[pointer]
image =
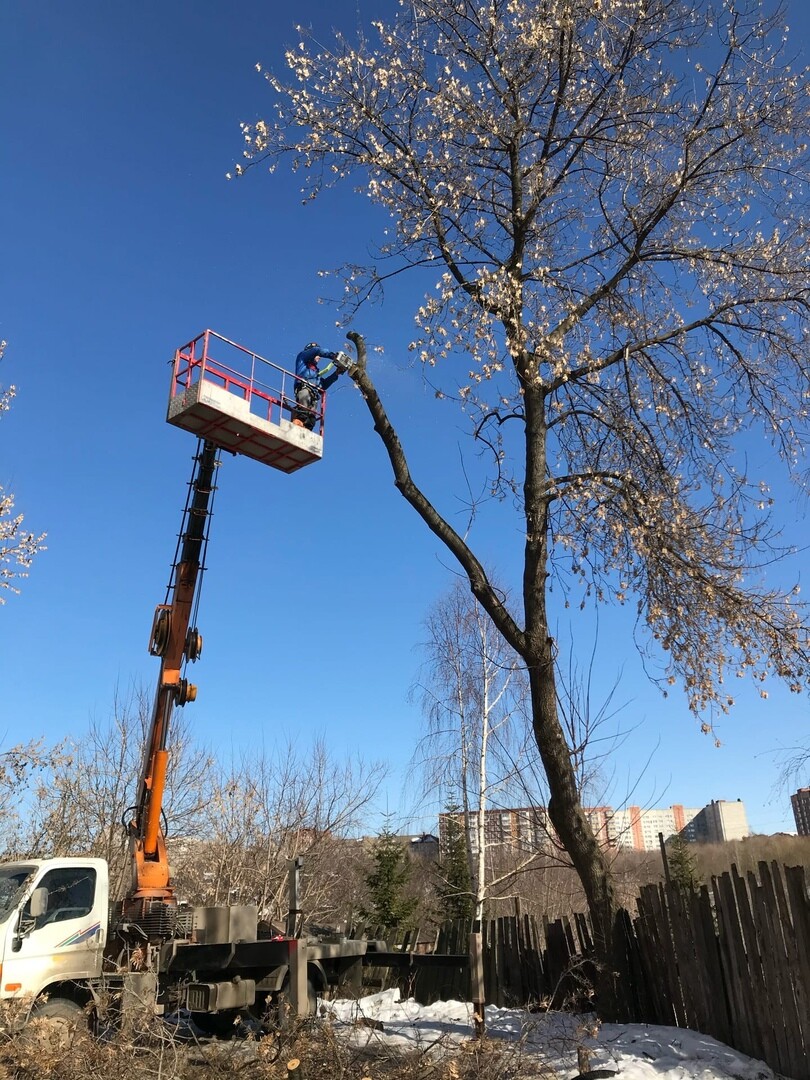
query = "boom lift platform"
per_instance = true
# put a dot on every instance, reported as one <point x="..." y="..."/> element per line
<point x="234" y="398"/>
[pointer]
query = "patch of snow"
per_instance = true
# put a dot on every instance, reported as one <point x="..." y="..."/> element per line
<point x="632" y="1051"/>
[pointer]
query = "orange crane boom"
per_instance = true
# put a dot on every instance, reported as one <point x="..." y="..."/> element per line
<point x="175" y="641"/>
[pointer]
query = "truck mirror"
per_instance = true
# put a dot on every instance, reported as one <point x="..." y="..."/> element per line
<point x="38" y="904"/>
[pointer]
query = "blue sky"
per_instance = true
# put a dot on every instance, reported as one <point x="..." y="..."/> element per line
<point x="122" y="239"/>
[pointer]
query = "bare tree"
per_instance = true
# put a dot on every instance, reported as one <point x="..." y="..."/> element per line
<point x="608" y="202"/>
<point x="231" y="828"/>
<point x="87" y="784"/>
<point x="473" y="687"/>
<point x="21" y="769"/>
<point x="17" y="546"/>
<point x="794" y="767"/>
<point x="264" y="809"/>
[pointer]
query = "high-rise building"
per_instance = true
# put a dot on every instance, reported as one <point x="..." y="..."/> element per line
<point x="721" y="821"/>
<point x="526" y="828"/>
<point x="801" y="810"/>
<point x="637" y="828"/>
<point x="632" y="828"/>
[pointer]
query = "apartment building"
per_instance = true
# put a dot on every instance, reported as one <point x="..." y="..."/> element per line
<point x="720" y="821"/>
<point x="526" y="828"/>
<point x="636" y="828"/>
<point x="632" y="828"/>
<point x="801" y="810"/>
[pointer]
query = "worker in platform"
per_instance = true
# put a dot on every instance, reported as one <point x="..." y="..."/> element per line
<point x="311" y="380"/>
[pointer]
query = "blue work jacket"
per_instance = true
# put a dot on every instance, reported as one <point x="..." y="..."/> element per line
<point x="306" y="368"/>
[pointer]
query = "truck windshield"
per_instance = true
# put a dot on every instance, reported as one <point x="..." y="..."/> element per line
<point x="12" y="880"/>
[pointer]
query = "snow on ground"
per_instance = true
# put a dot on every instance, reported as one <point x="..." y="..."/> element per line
<point x="632" y="1051"/>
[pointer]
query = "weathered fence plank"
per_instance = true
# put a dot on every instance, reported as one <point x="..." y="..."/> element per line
<point x="710" y="964"/>
<point x="665" y="961"/>
<point x="756" y="977"/>
<point x="799" y="900"/>
<point x="774" y="951"/>
<point x="644" y="928"/>
<point x="745" y="1033"/>
<point x="691" y="990"/>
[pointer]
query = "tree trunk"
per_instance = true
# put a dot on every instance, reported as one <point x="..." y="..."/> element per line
<point x="565" y="809"/>
<point x="575" y="833"/>
<point x="476" y="953"/>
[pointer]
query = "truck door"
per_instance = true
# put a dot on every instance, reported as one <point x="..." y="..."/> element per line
<point x="65" y="941"/>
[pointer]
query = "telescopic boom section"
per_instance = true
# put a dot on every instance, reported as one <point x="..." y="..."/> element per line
<point x="174" y="641"/>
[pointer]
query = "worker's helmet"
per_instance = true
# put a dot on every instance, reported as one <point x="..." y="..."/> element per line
<point x="312" y="345"/>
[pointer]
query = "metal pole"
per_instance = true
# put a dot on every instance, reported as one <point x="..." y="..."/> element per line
<point x="664" y="858"/>
<point x="293" y="927"/>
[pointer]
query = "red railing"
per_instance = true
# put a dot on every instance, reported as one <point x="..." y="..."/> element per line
<point x="268" y="388"/>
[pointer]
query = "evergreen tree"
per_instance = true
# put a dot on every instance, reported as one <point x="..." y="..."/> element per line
<point x="389" y="906"/>
<point x="453" y="884"/>
<point x="683" y="870"/>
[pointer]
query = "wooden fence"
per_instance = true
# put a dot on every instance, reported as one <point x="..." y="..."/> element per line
<point x="731" y="960"/>
<point x="526" y="962"/>
<point x="541" y="964"/>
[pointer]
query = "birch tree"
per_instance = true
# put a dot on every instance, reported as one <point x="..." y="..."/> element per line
<point x="472" y="689"/>
<point x="606" y="201"/>
<point x="17" y="546"/>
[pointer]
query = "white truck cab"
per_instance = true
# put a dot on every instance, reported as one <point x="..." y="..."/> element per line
<point x="55" y="921"/>
<point x="53" y="924"/>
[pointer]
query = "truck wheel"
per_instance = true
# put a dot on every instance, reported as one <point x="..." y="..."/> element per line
<point x="57" y="1023"/>
<point x="312" y="995"/>
<point x="221" y="1025"/>
<point x="271" y="1010"/>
